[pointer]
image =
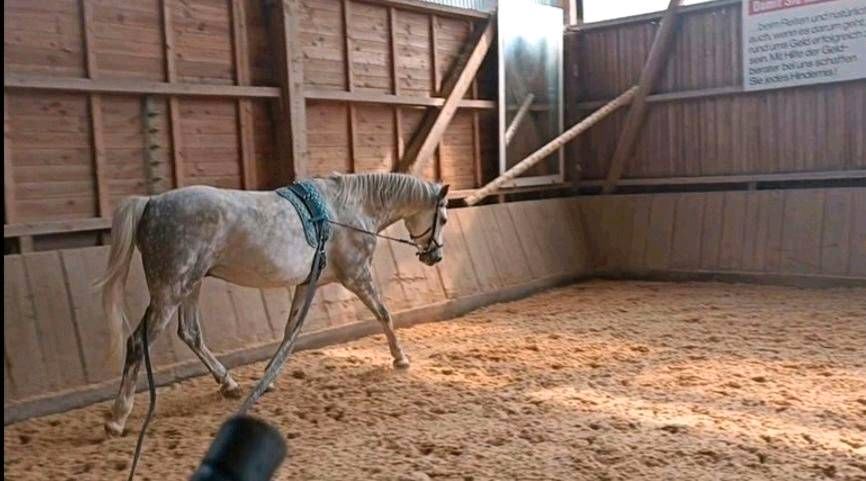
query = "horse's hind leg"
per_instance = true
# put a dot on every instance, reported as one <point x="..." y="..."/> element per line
<point x="189" y="330"/>
<point x="158" y="316"/>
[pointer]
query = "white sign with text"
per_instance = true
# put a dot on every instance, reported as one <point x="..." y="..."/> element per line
<point x="800" y="42"/>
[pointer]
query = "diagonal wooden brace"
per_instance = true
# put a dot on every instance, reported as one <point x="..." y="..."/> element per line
<point x="423" y="144"/>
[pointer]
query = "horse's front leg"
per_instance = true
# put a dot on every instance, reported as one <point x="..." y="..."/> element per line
<point x="361" y="284"/>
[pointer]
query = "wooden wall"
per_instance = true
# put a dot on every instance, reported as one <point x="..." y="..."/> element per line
<point x="73" y="152"/>
<point x="366" y="49"/>
<point x="699" y="123"/>
<point x="797" y="232"/>
<point x="109" y="99"/>
<point x="56" y="333"/>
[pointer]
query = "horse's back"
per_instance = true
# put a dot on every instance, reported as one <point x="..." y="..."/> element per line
<point x="245" y="237"/>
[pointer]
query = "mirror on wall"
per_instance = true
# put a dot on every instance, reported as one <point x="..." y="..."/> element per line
<point x="530" y="87"/>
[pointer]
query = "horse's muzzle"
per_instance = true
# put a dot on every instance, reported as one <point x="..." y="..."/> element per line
<point x="431" y="258"/>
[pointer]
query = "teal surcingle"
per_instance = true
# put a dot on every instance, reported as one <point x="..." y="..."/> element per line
<point x="311" y="207"/>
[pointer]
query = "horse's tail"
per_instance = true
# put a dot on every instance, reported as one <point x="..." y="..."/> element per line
<point x="123" y="228"/>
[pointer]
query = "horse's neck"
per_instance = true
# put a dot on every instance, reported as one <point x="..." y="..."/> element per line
<point x="371" y="210"/>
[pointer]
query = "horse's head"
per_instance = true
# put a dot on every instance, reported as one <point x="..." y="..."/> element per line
<point x="425" y="229"/>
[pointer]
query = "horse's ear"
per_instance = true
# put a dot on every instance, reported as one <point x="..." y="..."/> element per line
<point x="443" y="192"/>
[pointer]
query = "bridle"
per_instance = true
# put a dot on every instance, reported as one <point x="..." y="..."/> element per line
<point x="432" y="244"/>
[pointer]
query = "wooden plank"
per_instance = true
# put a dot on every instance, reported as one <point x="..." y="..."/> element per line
<point x="55" y="227"/>
<point x="772" y="217"/>
<point x="139" y="87"/>
<point x="99" y="161"/>
<point x="394" y="99"/>
<point x="32" y="373"/>
<point x="501" y="236"/>
<point x="423" y="145"/>
<point x="733" y="229"/>
<point x="252" y="315"/>
<point x="754" y="233"/>
<point x="857" y="261"/>
<point x="10" y="209"/>
<point x="54" y="320"/>
<point x="456" y="271"/>
<point x="483" y="259"/>
<point x="278" y="304"/>
<point x="736" y="179"/>
<point x="526" y="234"/>
<point x="711" y="230"/>
<point x="428" y="7"/>
<point x="640" y="229"/>
<point x="421" y="284"/>
<point x="240" y="51"/>
<point x="836" y="234"/>
<point x="82" y="266"/>
<point x="219" y="321"/>
<point x="801" y="233"/>
<point x="653" y="67"/>
<point x="686" y="245"/>
<point x="661" y="229"/>
<point x="170" y="54"/>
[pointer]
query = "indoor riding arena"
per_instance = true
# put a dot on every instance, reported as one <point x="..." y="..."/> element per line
<point x="653" y="267"/>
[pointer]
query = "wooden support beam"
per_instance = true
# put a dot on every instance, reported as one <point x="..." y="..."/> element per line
<point x="175" y="132"/>
<point x="423" y="6"/>
<point x="244" y="106"/>
<point x="856" y="174"/>
<point x="135" y="87"/>
<point x="392" y="99"/>
<point x="103" y="199"/>
<point x="351" y="117"/>
<point x="151" y="143"/>
<point x="434" y="124"/>
<point x="673" y="96"/>
<point x="656" y="60"/>
<point x="518" y="118"/>
<point x="291" y="124"/>
<point x="395" y="85"/>
<point x="551" y="147"/>
<point x="55" y="227"/>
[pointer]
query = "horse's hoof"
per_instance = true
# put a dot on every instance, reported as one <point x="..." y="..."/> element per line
<point x="113" y="429"/>
<point x="402" y="363"/>
<point x="230" y="390"/>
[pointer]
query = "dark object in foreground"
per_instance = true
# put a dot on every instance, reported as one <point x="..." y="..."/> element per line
<point x="245" y="449"/>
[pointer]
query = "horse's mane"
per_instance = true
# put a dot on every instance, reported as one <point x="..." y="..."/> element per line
<point x="384" y="189"/>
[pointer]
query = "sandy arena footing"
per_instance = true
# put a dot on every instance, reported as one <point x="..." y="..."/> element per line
<point x="598" y="381"/>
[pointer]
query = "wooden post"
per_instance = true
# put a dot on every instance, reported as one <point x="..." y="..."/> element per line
<point x="652" y="68"/>
<point x="175" y="133"/>
<point x="95" y="103"/>
<point x="552" y="146"/>
<point x="395" y="86"/>
<point x="151" y="143"/>
<point x="244" y="106"/>
<point x="350" y="84"/>
<point x="476" y="131"/>
<point x="518" y="118"/>
<point x="434" y="124"/>
<point x="291" y="125"/>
